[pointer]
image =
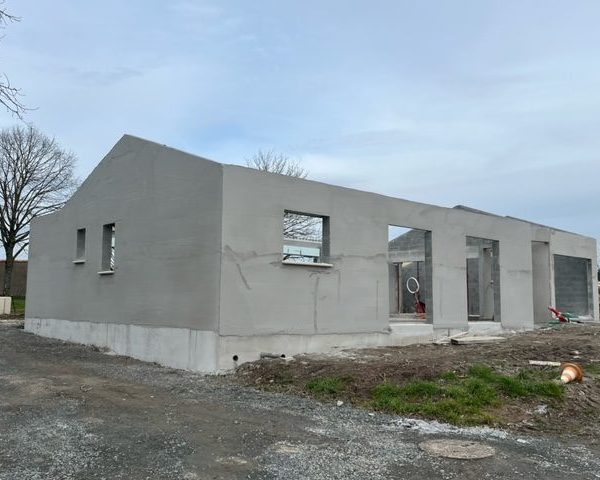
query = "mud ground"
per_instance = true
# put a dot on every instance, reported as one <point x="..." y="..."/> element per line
<point x="72" y="412"/>
<point x="577" y="415"/>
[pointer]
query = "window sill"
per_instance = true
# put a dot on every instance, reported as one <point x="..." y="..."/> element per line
<point x="106" y="272"/>
<point x="79" y="261"/>
<point x="307" y="264"/>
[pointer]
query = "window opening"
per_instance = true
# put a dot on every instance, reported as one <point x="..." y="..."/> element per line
<point x="80" y="252"/>
<point x="108" y="247"/>
<point x="409" y="270"/>
<point x="305" y="238"/>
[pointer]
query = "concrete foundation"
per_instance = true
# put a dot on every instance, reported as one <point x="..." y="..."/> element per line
<point x="174" y="347"/>
<point x="209" y="353"/>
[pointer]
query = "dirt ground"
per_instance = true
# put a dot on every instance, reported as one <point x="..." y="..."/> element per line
<point x="72" y="412"/>
<point x="366" y="368"/>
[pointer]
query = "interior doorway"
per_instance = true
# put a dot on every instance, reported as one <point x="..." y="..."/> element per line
<point x="483" y="279"/>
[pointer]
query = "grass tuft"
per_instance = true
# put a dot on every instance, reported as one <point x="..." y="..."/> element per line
<point x="327" y="385"/>
<point x="463" y="400"/>
<point x="592" y="369"/>
<point x="18" y="305"/>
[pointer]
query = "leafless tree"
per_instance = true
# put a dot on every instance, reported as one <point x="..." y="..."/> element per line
<point x="295" y="226"/>
<point x="275" y="162"/>
<point x="9" y="95"/>
<point x="36" y="178"/>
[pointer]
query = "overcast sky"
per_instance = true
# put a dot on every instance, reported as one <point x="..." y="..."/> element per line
<point x="491" y="104"/>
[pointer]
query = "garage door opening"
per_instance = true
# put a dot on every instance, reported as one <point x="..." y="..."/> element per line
<point x="409" y="264"/>
<point x="483" y="279"/>
<point x="573" y="285"/>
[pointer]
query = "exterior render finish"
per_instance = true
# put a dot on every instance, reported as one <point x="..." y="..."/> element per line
<point x="199" y="281"/>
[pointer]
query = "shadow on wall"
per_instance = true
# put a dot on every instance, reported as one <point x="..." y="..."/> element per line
<point x="19" y="279"/>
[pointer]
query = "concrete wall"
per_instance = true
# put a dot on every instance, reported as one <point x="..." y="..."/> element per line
<point x="571" y="245"/>
<point x="542" y="281"/>
<point x="352" y="296"/>
<point x="167" y="209"/>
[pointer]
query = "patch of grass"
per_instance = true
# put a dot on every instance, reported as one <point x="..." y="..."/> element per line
<point x="464" y="400"/>
<point x="18" y="305"/>
<point x="449" y="376"/>
<point x="527" y="383"/>
<point x="327" y="385"/>
<point x="592" y="369"/>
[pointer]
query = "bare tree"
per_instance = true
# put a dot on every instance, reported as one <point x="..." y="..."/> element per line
<point x="295" y="226"/>
<point x="9" y="95"/>
<point x="275" y="162"/>
<point x="36" y="178"/>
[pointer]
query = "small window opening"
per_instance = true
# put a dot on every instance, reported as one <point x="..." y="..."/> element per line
<point x="80" y="252"/>
<point x="305" y="238"/>
<point x="108" y="247"/>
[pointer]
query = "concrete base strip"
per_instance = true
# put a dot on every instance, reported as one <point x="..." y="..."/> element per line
<point x="174" y="347"/>
<point x="207" y="352"/>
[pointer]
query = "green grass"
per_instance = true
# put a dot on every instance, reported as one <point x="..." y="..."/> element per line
<point x="18" y="305"/>
<point x="592" y="369"/>
<point x="327" y="385"/>
<point x="467" y="400"/>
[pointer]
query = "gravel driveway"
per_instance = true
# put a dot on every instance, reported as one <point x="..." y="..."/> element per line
<point x="71" y="412"/>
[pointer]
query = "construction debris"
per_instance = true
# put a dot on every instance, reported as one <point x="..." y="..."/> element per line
<point x="272" y="355"/>
<point x="544" y="363"/>
<point x="476" y="340"/>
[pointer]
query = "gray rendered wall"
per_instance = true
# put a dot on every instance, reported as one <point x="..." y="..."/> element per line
<point x="260" y="295"/>
<point x="167" y="208"/>
<point x="542" y="281"/>
<point x="570" y="245"/>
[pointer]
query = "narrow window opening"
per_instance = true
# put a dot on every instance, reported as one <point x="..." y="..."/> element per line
<point x="305" y="238"/>
<point x="108" y="247"/>
<point x="80" y="251"/>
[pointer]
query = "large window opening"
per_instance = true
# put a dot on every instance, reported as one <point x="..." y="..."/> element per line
<point x="573" y="285"/>
<point x="409" y="269"/>
<point x="483" y="279"/>
<point x="108" y="247"/>
<point x="305" y="238"/>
